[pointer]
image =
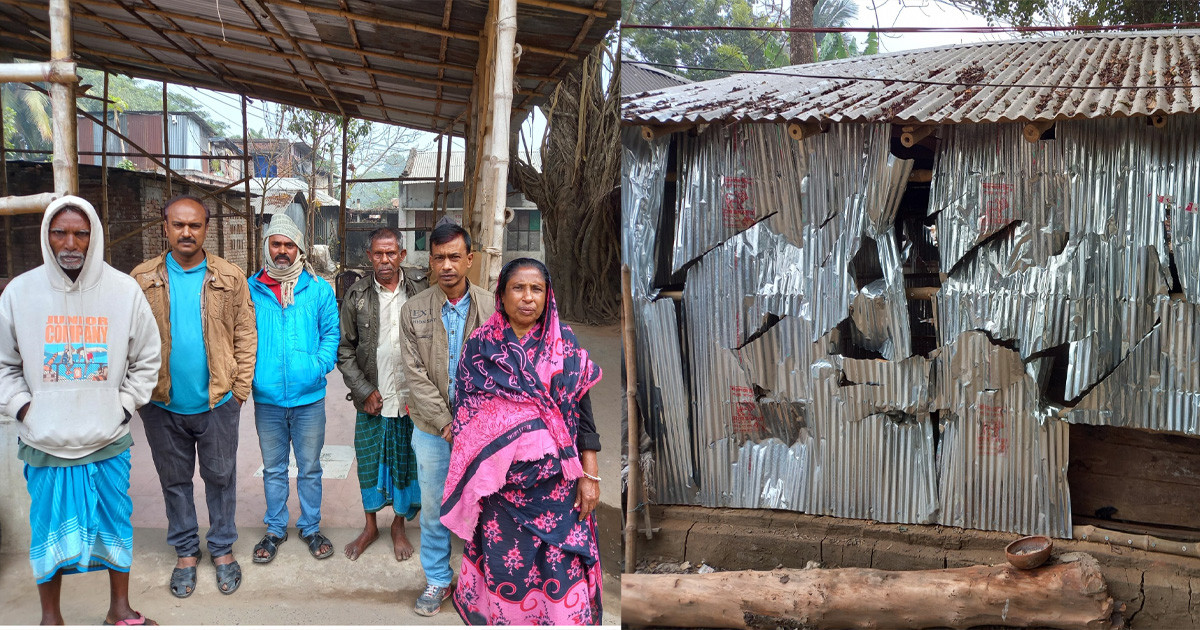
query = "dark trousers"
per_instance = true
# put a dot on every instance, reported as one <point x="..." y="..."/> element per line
<point x="176" y="440"/>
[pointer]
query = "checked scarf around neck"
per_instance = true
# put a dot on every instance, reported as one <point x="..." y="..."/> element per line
<point x="517" y="400"/>
<point x="287" y="277"/>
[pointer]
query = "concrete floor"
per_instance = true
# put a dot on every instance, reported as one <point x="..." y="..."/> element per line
<point x="296" y="589"/>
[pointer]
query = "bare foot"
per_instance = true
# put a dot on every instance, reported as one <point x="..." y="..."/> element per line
<point x="360" y="544"/>
<point x="400" y="544"/>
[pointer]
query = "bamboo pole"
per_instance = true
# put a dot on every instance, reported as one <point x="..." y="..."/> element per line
<point x="446" y="173"/>
<point x="495" y="173"/>
<point x="634" y="484"/>
<point x="62" y="103"/>
<point x="27" y="204"/>
<point x="248" y="172"/>
<point x="166" y="140"/>
<point x="8" y="243"/>
<point x="104" y="171"/>
<point x="342" y="195"/>
<point x="437" y="181"/>
<point x="47" y="72"/>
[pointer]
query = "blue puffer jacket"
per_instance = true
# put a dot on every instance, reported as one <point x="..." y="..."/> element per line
<point x="297" y="346"/>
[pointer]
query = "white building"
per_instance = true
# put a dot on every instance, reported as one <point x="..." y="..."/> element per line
<point x="523" y="238"/>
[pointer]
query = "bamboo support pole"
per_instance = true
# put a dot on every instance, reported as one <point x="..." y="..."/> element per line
<point x="104" y="171"/>
<point x="27" y="204"/>
<point x="446" y="175"/>
<point x="1032" y="132"/>
<point x="437" y="168"/>
<point x="62" y="103"/>
<point x="166" y="139"/>
<point x="494" y="177"/>
<point x="48" y="72"/>
<point x="342" y="196"/>
<point x="247" y="173"/>
<point x="1144" y="542"/>
<point x="198" y="156"/>
<point x="633" y="483"/>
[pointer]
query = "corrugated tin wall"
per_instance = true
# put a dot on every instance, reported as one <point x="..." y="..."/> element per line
<point x="1055" y="307"/>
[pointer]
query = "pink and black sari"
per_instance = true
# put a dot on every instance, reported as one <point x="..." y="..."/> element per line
<point x="514" y="466"/>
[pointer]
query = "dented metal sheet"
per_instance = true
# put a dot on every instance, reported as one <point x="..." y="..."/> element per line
<point x="1157" y="386"/>
<point x="643" y="175"/>
<point x="664" y="404"/>
<point x="1003" y="460"/>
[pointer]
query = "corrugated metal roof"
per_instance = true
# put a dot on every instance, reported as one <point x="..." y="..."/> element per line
<point x="425" y="164"/>
<point x="1081" y="76"/>
<point x="639" y="77"/>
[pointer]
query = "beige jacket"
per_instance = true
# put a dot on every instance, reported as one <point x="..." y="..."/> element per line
<point x="230" y="332"/>
<point x="427" y="353"/>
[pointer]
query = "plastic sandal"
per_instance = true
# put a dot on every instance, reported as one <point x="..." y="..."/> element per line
<point x="183" y="581"/>
<point x="229" y="576"/>
<point x="269" y="543"/>
<point x="139" y="620"/>
<point x="315" y="541"/>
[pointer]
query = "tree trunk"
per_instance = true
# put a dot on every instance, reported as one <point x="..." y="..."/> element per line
<point x="1071" y="594"/>
<point x="802" y="44"/>
<point x="578" y="193"/>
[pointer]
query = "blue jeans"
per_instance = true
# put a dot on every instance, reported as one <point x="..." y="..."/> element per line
<point x="303" y="429"/>
<point x="433" y="464"/>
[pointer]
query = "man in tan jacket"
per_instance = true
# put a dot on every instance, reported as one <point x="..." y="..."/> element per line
<point x="435" y="323"/>
<point x="203" y="308"/>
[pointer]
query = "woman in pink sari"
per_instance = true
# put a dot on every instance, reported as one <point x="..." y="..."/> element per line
<point x="522" y="483"/>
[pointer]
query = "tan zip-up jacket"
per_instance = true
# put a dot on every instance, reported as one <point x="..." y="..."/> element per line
<point x="227" y="314"/>
<point x="427" y="352"/>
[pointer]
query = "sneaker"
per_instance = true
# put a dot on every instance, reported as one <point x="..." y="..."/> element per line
<point x="430" y="602"/>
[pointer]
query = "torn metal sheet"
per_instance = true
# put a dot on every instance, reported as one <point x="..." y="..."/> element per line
<point x="715" y="199"/>
<point x="1157" y="386"/>
<point x="1003" y="459"/>
<point x="771" y="474"/>
<point x="664" y="401"/>
<point x="643" y="175"/>
<point x="986" y="177"/>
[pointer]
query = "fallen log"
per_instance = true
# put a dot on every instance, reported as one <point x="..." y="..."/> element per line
<point x="1069" y="594"/>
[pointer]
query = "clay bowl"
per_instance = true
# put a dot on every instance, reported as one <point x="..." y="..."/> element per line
<point x="1029" y="552"/>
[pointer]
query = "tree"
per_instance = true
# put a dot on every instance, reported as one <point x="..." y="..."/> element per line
<point x="578" y="191"/>
<point x="737" y="50"/>
<point x="26" y="121"/>
<point x="1082" y="12"/>
<point x="802" y="44"/>
<point x="731" y="50"/>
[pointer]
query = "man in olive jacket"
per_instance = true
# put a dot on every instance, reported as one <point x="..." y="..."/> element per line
<point x="435" y="324"/>
<point x="369" y="357"/>
<point x="209" y="342"/>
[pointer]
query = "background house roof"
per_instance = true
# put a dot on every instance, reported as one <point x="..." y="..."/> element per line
<point x="1080" y="76"/>
<point x="424" y="164"/>
<point x="638" y="77"/>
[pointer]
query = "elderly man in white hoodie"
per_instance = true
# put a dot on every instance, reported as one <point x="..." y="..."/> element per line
<point x="79" y="353"/>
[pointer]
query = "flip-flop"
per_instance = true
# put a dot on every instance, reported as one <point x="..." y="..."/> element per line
<point x="183" y="581"/>
<point x="229" y="577"/>
<point x="315" y="541"/>
<point x="139" y="620"/>
<point x="269" y="543"/>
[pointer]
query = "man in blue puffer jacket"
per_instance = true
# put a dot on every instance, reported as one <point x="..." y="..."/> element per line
<point x="297" y="346"/>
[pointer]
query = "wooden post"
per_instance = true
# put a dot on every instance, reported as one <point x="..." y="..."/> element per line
<point x="166" y="141"/>
<point x="446" y="173"/>
<point x="633" y="489"/>
<point x="493" y="178"/>
<point x="62" y="103"/>
<point x="104" y="173"/>
<point x="248" y="167"/>
<point x="342" y="194"/>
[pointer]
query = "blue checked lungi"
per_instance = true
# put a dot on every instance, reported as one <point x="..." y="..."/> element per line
<point x="79" y="517"/>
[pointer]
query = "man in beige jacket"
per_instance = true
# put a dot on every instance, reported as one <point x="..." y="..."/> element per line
<point x="435" y="323"/>
<point x="203" y="308"/>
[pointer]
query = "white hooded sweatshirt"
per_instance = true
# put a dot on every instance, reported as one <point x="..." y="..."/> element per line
<point x="81" y="353"/>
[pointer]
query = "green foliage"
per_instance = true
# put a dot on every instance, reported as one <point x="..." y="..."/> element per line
<point x="734" y="50"/>
<point x="129" y="94"/>
<point x="26" y="121"/>
<point x="1083" y="12"/>
<point x="127" y="164"/>
<point x="323" y="132"/>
